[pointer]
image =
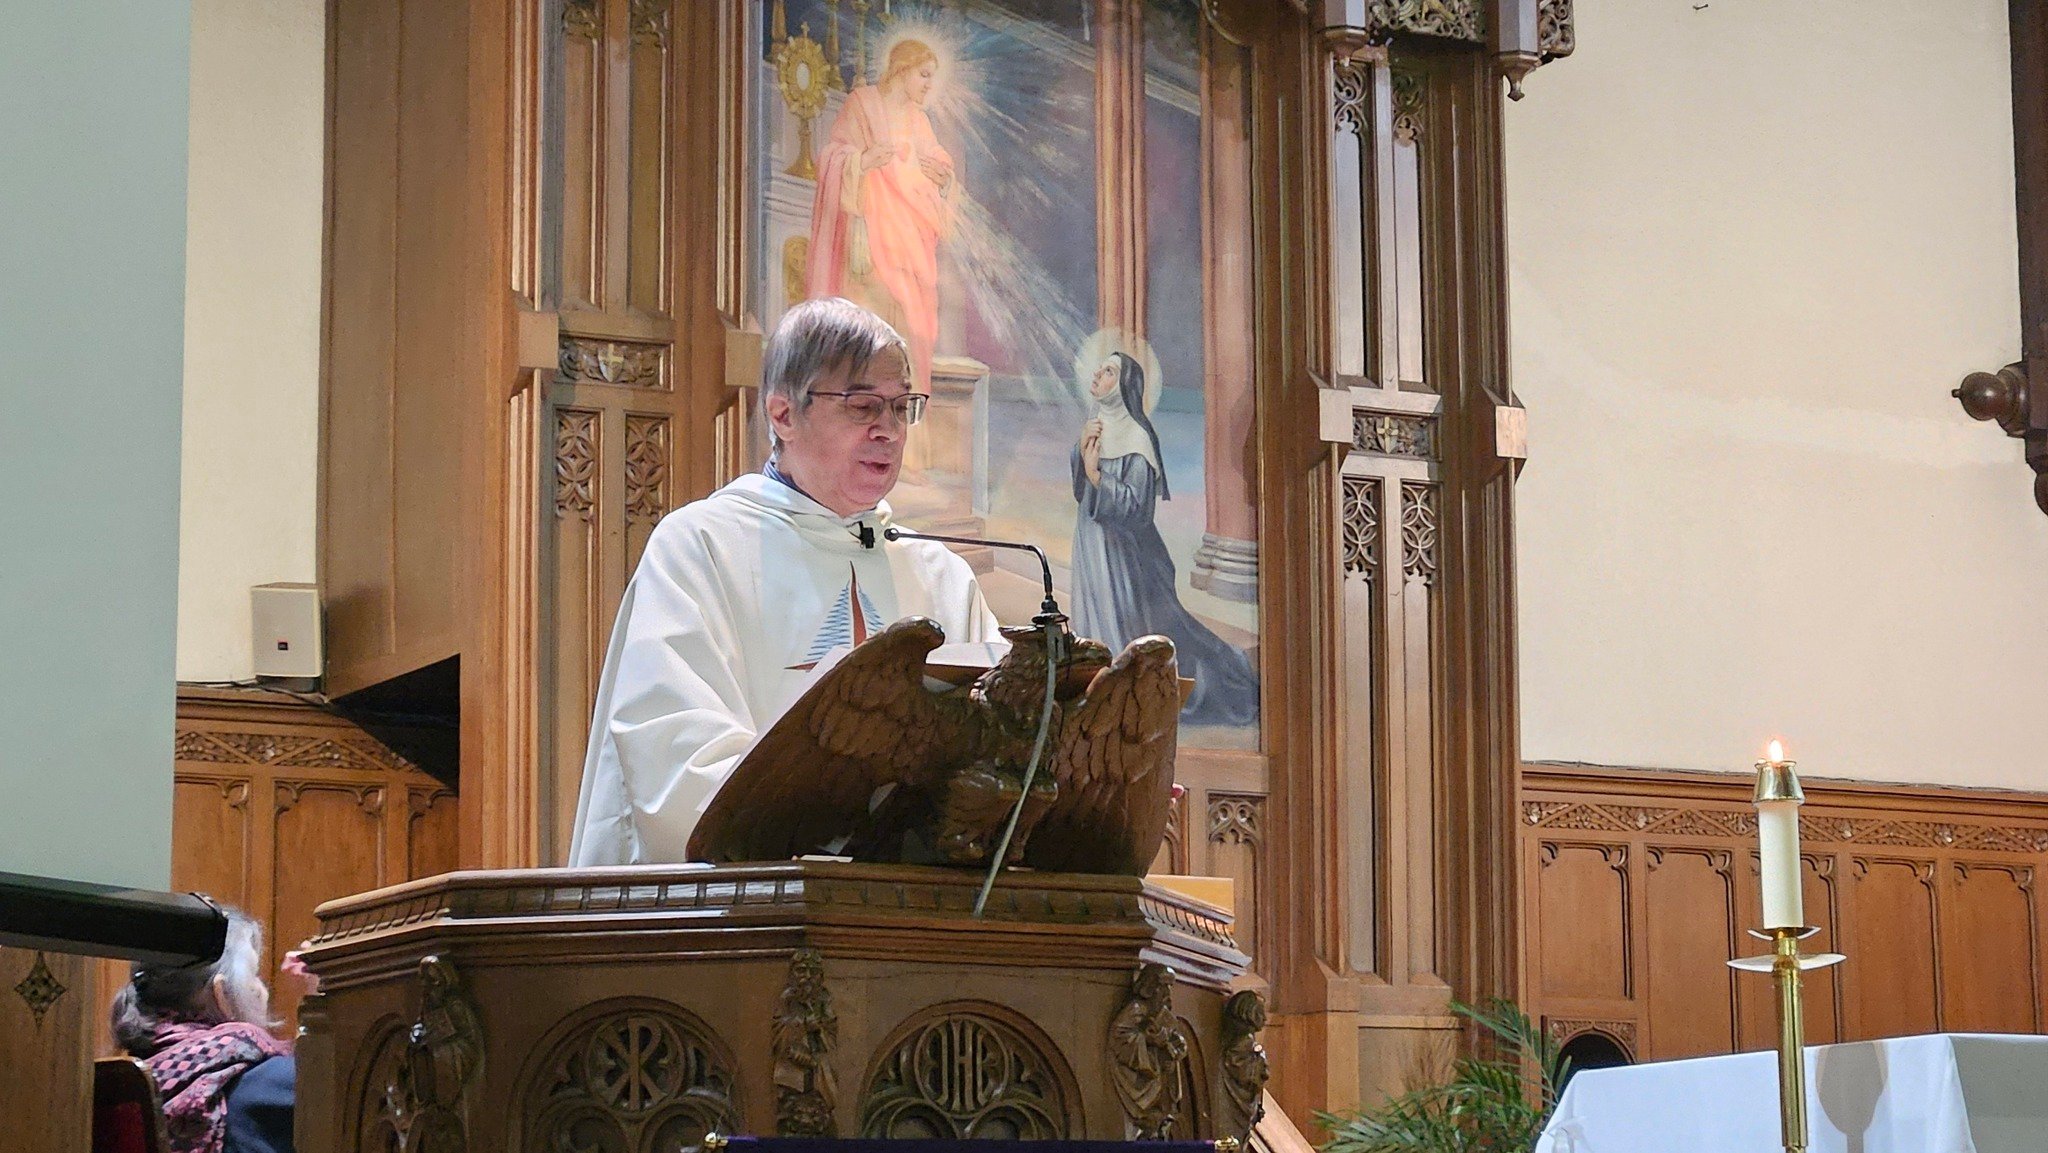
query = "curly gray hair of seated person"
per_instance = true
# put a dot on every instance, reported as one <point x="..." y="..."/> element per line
<point x="156" y="994"/>
<point x="817" y="338"/>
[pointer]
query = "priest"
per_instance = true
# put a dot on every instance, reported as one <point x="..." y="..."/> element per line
<point x="739" y="595"/>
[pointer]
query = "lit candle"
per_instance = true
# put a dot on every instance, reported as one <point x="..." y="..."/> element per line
<point x="1778" y="798"/>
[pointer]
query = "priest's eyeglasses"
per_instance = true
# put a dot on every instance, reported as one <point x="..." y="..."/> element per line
<point x="867" y="407"/>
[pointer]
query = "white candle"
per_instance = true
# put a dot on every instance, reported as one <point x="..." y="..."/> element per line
<point x="1777" y="827"/>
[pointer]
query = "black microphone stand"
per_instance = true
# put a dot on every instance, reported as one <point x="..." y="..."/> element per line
<point x="1053" y="624"/>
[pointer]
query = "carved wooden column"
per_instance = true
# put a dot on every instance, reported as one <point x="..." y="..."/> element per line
<point x="608" y="424"/>
<point x="1227" y="564"/>
<point x="1120" y="164"/>
<point x="2016" y="396"/>
<point x="1393" y="826"/>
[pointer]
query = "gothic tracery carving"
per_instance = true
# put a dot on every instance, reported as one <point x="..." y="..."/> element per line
<point x="1418" y="531"/>
<point x="1555" y="35"/>
<point x="638" y="1077"/>
<point x="1408" y="101"/>
<point x="1234" y="819"/>
<point x="582" y="18"/>
<point x="1362" y="527"/>
<point x="1393" y="434"/>
<point x="1452" y="19"/>
<point x="586" y="361"/>
<point x="649" y="22"/>
<point x="965" y="1075"/>
<point x="1351" y="81"/>
<point x="576" y="464"/>
<point x="647" y="440"/>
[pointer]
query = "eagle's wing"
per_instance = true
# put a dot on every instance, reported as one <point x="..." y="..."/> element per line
<point x="869" y="721"/>
<point x="1113" y="761"/>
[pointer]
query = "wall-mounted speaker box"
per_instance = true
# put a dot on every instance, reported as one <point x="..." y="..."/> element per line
<point x="285" y="630"/>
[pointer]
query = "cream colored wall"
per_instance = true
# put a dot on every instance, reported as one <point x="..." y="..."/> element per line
<point x="1753" y="247"/>
<point x="252" y="319"/>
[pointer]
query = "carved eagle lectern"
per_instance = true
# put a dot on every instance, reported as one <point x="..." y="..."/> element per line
<point x="870" y="763"/>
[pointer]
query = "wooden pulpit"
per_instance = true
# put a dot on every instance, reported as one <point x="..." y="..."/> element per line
<point x="641" y="1008"/>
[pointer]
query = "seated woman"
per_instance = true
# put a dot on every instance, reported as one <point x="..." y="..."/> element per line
<point x="203" y="1032"/>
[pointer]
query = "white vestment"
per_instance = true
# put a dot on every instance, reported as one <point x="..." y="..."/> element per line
<point x="736" y="597"/>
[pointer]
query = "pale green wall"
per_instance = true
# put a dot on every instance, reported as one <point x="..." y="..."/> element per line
<point x="92" y="287"/>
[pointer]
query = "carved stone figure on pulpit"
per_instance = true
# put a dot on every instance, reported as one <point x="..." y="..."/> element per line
<point x="1147" y="1046"/>
<point x="805" y="1032"/>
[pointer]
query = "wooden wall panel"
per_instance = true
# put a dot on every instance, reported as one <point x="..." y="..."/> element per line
<point x="280" y="806"/>
<point x="49" y="1014"/>
<point x="431" y="832"/>
<point x="612" y="406"/>
<point x="1582" y="890"/>
<point x="1930" y="892"/>
<point x="1756" y="1005"/>
<point x="1688" y="905"/>
<point x="1989" y="924"/>
<point x="1891" y="946"/>
<point x="395" y="351"/>
<point x="210" y="819"/>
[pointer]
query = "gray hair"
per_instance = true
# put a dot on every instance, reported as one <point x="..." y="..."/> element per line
<point x="156" y="994"/>
<point x="814" y="339"/>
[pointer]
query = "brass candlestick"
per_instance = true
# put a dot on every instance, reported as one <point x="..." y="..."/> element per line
<point x="860" y="41"/>
<point x="1778" y="796"/>
<point x="835" y="79"/>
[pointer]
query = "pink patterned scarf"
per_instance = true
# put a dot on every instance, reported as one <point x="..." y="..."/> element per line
<point x="194" y="1065"/>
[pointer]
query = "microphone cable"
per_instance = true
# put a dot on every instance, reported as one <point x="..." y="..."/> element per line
<point x="1052" y="623"/>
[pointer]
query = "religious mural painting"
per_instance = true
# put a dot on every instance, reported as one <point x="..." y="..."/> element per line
<point x="1050" y="200"/>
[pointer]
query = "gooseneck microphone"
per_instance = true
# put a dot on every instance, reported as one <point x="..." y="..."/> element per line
<point x="1053" y="623"/>
<point x="1050" y="607"/>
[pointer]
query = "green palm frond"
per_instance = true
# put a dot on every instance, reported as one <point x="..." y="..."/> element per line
<point x="1495" y="1101"/>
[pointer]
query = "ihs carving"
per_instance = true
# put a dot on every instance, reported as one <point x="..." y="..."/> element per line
<point x="1245" y="1071"/>
<point x="1148" y="1048"/>
<point x="1418" y="531"/>
<point x="647" y="498"/>
<point x="806" y="1093"/>
<point x="575" y="464"/>
<point x="964" y="1075"/>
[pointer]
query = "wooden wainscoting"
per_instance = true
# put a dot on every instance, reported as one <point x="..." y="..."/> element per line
<point x="281" y="805"/>
<point x="1638" y="887"/>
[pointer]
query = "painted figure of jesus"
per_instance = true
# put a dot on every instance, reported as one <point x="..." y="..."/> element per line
<point x="884" y="202"/>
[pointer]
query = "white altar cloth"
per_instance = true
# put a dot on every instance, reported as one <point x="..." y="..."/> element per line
<point x="1943" y="1093"/>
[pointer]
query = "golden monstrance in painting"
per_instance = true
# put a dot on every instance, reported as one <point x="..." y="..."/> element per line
<point x="1054" y="210"/>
